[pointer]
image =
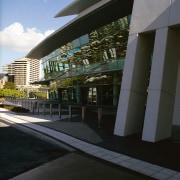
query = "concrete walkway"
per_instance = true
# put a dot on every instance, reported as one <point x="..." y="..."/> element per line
<point x="75" y="166"/>
<point x="118" y="159"/>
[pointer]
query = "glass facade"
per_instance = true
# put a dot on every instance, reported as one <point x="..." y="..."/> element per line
<point x="90" y="63"/>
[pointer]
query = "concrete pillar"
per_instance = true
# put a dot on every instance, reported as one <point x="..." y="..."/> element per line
<point x="176" y="116"/>
<point x="162" y="86"/>
<point x="25" y="103"/>
<point x="100" y="112"/>
<point x="32" y="104"/>
<point x="133" y="94"/>
<point x="50" y="109"/>
<point x="38" y="106"/>
<point x="70" y="112"/>
<point x="59" y="109"/>
<point x="44" y="107"/>
<point x="83" y="113"/>
<point x="100" y="94"/>
<point x="115" y="89"/>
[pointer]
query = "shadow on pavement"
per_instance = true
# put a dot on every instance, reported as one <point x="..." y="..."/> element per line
<point x="21" y="152"/>
<point x="163" y="153"/>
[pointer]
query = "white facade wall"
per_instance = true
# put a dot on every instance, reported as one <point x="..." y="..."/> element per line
<point x="20" y="72"/>
<point x="28" y="72"/>
<point x="149" y="97"/>
<point x="34" y="71"/>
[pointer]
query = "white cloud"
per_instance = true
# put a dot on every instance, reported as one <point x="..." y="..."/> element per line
<point x="15" y="37"/>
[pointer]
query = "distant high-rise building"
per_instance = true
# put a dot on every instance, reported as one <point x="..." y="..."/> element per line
<point x="9" y="69"/>
<point x="35" y="70"/>
<point x="21" y="70"/>
<point x="24" y="70"/>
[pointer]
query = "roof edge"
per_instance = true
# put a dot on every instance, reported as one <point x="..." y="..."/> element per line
<point x="76" y="7"/>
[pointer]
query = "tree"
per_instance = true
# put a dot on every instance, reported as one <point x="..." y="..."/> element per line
<point x="9" y="85"/>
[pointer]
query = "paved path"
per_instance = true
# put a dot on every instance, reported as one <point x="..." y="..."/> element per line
<point x="75" y="166"/>
<point x="29" y="158"/>
<point x="121" y="160"/>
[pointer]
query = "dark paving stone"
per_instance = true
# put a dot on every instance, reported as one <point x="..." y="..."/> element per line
<point x="20" y="152"/>
<point x="163" y="153"/>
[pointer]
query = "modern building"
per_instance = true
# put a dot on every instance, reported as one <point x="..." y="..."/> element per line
<point x="24" y="71"/>
<point x="86" y="64"/>
<point x="112" y="46"/>
<point x="150" y="90"/>
<point x="9" y="69"/>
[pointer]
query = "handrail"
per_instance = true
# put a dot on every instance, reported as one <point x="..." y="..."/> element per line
<point x="92" y="68"/>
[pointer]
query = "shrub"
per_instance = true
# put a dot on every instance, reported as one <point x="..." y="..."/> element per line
<point x="11" y="93"/>
<point x="17" y="109"/>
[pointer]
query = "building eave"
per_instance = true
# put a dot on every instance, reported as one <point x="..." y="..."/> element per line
<point x="106" y="11"/>
<point x="76" y="7"/>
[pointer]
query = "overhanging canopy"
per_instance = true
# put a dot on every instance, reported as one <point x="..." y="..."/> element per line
<point x="76" y="7"/>
<point x="83" y="24"/>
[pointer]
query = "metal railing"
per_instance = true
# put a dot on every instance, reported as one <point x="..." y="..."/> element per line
<point x="105" y="66"/>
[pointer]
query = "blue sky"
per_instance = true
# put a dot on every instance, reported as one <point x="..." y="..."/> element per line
<point x="25" y="23"/>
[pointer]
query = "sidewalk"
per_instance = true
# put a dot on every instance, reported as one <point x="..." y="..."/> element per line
<point x="95" y="145"/>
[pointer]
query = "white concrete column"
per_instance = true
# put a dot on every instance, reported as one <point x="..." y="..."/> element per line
<point x="131" y="107"/>
<point x="161" y="92"/>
